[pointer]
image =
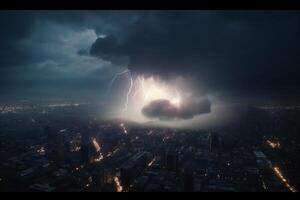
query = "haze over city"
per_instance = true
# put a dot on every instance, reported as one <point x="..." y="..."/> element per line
<point x="112" y="100"/>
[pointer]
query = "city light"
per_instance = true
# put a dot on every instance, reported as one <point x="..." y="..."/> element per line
<point x="99" y="159"/>
<point x="11" y="109"/>
<point x="98" y="149"/>
<point x="109" y="154"/>
<point x="264" y="185"/>
<point x="118" y="184"/>
<point x="124" y="128"/>
<point x="150" y="133"/>
<point x="96" y="145"/>
<point x="283" y="179"/>
<point x="76" y="149"/>
<point x="149" y="101"/>
<point x="274" y="145"/>
<point x="151" y="162"/>
<point x="41" y="151"/>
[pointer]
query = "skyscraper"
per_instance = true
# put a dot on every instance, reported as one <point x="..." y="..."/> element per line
<point x="85" y="149"/>
<point x="171" y="160"/>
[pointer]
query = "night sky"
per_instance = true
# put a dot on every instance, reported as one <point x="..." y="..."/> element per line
<point x="76" y="53"/>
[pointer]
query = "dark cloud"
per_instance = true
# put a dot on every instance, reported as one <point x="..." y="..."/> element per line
<point x="83" y="52"/>
<point x="240" y="51"/>
<point x="17" y="26"/>
<point x="165" y="110"/>
<point x="109" y="50"/>
<point x="243" y="51"/>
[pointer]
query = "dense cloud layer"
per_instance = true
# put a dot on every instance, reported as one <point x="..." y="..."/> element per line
<point x="224" y="50"/>
<point x="163" y="109"/>
<point x="240" y="51"/>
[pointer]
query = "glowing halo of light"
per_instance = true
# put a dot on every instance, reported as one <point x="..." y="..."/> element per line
<point x="143" y="90"/>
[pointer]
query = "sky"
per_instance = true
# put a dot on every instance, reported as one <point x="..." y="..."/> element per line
<point x="76" y="54"/>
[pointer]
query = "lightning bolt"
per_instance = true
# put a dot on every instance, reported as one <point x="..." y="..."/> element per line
<point x="115" y="78"/>
<point x="131" y="83"/>
<point x="139" y="81"/>
<point x="128" y="92"/>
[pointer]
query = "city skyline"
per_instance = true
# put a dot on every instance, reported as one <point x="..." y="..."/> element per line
<point x="149" y="101"/>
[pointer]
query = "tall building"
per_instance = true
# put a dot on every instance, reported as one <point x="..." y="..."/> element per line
<point x="213" y="142"/>
<point x="99" y="178"/>
<point x="90" y="149"/>
<point x="188" y="179"/>
<point x="56" y="143"/>
<point x="171" y="160"/>
<point x="86" y="150"/>
<point x="135" y="166"/>
<point x="128" y="173"/>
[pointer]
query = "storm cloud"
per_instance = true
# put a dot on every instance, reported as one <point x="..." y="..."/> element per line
<point x="235" y="51"/>
<point x="240" y="51"/>
<point x="163" y="109"/>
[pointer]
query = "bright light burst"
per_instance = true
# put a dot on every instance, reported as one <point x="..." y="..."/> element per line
<point x="153" y="89"/>
<point x="143" y="90"/>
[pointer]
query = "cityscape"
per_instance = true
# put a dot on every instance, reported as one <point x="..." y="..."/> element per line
<point x="86" y="154"/>
<point x="149" y="101"/>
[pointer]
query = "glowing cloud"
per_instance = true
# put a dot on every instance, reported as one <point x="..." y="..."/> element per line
<point x="151" y="97"/>
<point x="168" y="110"/>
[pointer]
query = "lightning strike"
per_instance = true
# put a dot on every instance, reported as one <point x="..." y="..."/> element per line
<point x="128" y="92"/>
<point x="115" y="78"/>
